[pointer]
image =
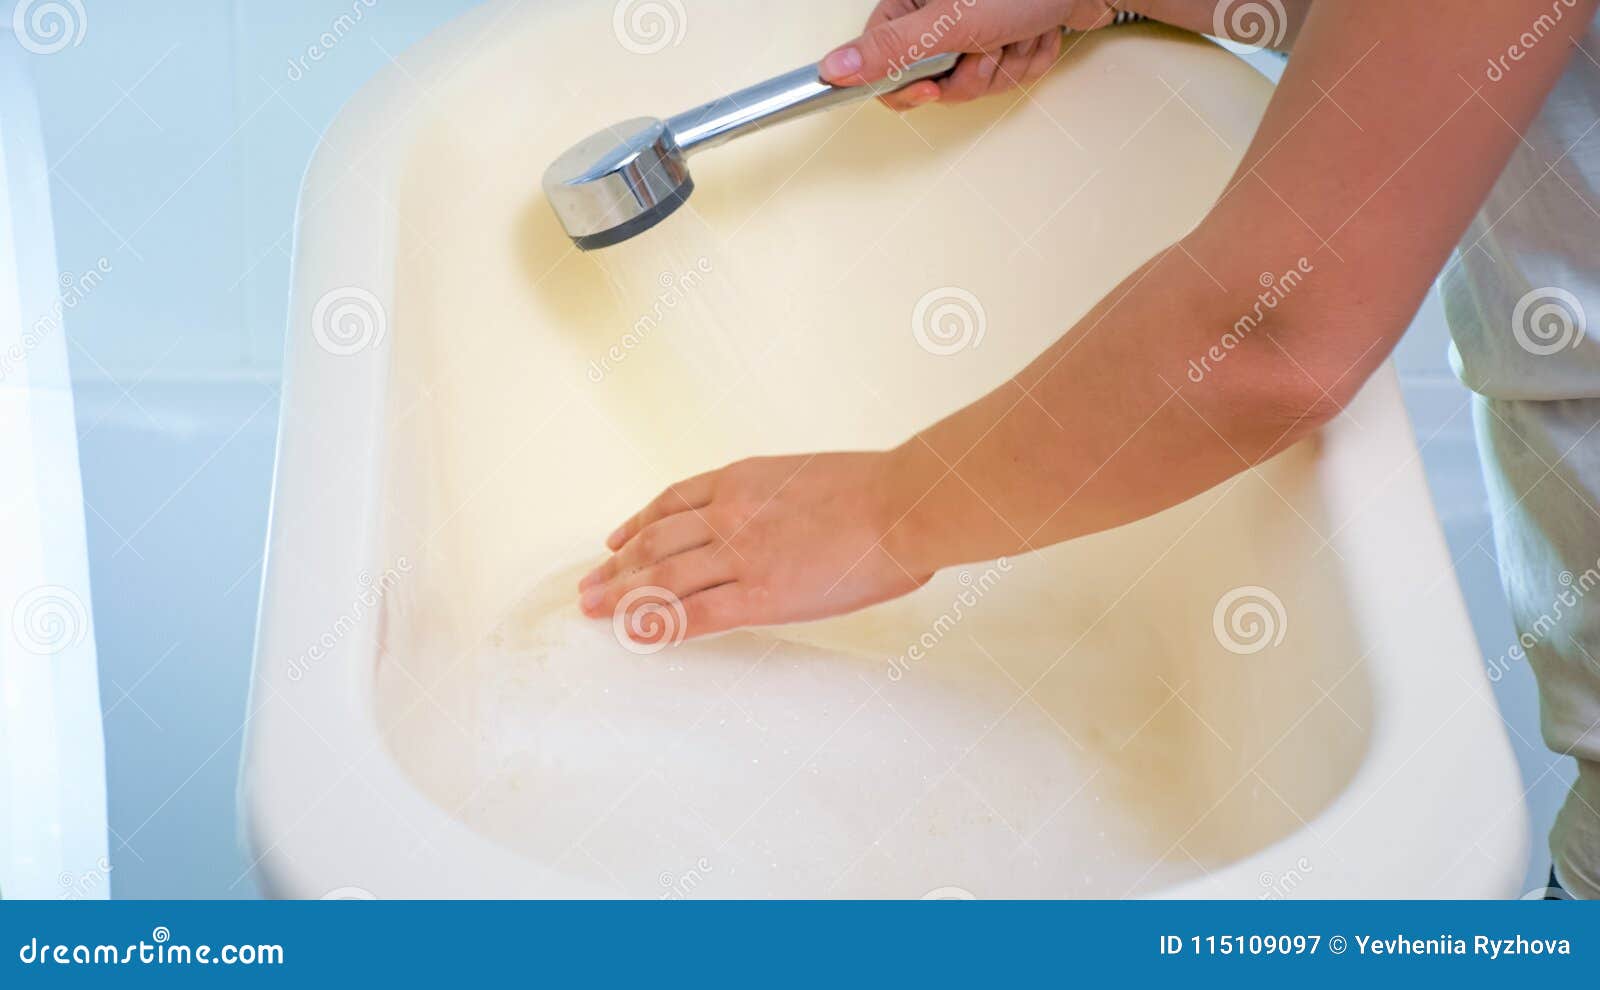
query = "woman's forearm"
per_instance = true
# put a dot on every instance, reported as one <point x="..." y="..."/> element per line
<point x="1384" y="137"/>
<point x="1361" y="191"/>
<point x="1107" y="426"/>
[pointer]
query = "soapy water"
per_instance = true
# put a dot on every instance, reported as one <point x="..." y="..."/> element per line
<point x="788" y="761"/>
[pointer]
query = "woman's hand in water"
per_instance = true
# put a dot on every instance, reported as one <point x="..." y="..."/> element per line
<point x="1007" y="43"/>
<point x="760" y="542"/>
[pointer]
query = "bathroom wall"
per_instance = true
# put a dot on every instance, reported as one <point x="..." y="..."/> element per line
<point x="177" y="133"/>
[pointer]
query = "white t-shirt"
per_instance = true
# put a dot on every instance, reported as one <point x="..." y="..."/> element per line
<point x="1523" y="292"/>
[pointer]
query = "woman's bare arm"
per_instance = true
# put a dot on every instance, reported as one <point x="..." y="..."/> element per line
<point x="1382" y="141"/>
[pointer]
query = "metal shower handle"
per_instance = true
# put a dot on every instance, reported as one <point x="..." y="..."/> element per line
<point x="786" y="97"/>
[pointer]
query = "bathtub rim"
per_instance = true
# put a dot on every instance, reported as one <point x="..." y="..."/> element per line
<point x="285" y="780"/>
<point x="285" y="775"/>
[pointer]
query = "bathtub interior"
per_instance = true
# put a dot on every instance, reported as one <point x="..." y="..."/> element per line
<point x="1065" y="723"/>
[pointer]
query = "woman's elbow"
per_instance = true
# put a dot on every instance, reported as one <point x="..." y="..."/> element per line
<point x="1270" y="401"/>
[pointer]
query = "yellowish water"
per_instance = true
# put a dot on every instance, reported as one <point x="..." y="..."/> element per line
<point x="788" y="761"/>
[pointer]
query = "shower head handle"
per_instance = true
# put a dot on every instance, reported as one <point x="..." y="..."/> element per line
<point x="622" y="181"/>
<point x="787" y="97"/>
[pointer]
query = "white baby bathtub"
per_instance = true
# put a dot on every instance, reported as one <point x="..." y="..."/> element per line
<point x="1270" y="691"/>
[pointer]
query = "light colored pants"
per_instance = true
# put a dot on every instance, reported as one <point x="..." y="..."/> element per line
<point x="1541" y="460"/>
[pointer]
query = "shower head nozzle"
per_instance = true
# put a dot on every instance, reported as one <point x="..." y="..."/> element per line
<point x="626" y="179"/>
<point x="618" y="183"/>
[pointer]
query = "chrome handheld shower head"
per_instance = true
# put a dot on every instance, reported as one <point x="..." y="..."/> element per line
<point x="622" y="181"/>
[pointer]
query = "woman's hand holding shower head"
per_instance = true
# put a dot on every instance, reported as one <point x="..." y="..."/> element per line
<point x="1005" y="43"/>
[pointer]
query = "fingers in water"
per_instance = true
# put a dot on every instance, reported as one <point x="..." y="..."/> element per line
<point x="704" y="613"/>
<point x="685" y="496"/>
<point x="683" y="575"/>
<point x="718" y="609"/>
<point x="664" y="538"/>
